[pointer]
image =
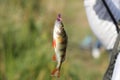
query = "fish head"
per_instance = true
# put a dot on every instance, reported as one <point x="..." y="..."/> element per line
<point x="58" y="23"/>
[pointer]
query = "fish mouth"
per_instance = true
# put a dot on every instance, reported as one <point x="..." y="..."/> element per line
<point x="59" y="18"/>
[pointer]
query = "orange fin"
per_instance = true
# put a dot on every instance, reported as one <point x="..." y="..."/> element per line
<point x="54" y="43"/>
<point x="54" y="57"/>
<point x="56" y="73"/>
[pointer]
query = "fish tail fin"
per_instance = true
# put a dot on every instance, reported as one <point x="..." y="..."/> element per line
<point x="56" y="73"/>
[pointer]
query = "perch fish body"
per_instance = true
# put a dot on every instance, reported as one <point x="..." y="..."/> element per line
<point x="59" y="44"/>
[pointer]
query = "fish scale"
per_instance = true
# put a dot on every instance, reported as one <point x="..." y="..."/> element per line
<point x="60" y="40"/>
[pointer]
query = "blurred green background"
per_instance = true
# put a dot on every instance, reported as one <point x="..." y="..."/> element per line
<point x="26" y="41"/>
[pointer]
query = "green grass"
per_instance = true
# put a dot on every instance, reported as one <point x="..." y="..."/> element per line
<point x="26" y="41"/>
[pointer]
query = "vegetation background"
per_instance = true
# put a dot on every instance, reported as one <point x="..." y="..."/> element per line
<point x="26" y="41"/>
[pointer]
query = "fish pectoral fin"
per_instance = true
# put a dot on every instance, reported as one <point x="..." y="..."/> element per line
<point x="54" y="58"/>
<point x="56" y="73"/>
<point x="54" y="43"/>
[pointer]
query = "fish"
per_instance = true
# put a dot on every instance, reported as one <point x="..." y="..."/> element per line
<point x="60" y="40"/>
